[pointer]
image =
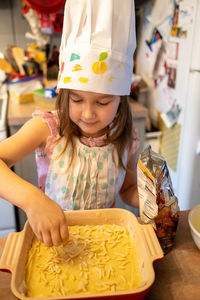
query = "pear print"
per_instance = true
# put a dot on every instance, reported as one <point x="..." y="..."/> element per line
<point x="100" y="67"/>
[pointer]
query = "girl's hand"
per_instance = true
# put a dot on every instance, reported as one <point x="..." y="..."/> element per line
<point x="46" y="218"/>
<point x="47" y="221"/>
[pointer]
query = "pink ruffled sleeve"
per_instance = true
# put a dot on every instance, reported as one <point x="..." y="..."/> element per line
<point x="43" y="155"/>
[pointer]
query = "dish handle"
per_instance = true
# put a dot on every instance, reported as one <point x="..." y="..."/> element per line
<point x="153" y="247"/>
<point x="10" y="256"/>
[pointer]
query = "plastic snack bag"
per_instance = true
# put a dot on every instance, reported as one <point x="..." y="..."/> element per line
<point x="157" y="201"/>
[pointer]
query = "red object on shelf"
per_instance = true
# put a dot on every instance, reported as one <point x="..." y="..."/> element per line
<point x="46" y="6"/>
<point x="47" y="22"/>
<point x="58" y="22"/>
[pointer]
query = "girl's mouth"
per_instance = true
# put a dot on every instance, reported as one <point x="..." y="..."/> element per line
<point x="89" y="123"/>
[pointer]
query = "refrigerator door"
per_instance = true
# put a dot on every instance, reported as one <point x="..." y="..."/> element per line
<point x="195" y="59"/>
<point x="188" y="175"/>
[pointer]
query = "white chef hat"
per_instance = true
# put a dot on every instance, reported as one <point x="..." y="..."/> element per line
<point x="97" y="46"/>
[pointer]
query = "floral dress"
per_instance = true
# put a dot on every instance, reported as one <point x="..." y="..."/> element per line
<point x="92" y="180"/>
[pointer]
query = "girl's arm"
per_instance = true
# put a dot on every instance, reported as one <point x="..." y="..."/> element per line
<point x="46" y="217"/>
<point x="129" y="192"/>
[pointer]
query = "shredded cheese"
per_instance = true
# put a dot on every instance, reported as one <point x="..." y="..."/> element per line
<point x="95" y="259"/>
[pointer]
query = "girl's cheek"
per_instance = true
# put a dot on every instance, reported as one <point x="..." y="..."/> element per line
<point x="71" y="112"/>
<point x="71" y="108"/>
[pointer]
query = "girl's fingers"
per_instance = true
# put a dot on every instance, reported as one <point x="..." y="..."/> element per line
<point x="56" y="236"/>
<point x="39" y="237"/>
<point x="64" y="232"/>
<point x="47" y="240"/>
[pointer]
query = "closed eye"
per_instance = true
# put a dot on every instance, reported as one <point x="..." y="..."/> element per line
<point x="75" y="100"/>
<point x="103" y="103"/>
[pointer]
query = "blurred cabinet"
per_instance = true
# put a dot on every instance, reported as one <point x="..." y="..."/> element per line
<point x="139" y="113"/>
<point x="25" y="168"/>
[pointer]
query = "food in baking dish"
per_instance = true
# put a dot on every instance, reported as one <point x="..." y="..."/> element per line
<point x="95" y="259"/>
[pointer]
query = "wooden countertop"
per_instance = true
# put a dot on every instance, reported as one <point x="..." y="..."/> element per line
<point x="18" y="114"/>
<point x="177" y="274"/>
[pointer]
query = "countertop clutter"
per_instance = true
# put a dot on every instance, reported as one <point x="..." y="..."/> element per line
<point x="176" y="275"/>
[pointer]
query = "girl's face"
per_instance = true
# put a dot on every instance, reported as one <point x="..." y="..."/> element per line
<point x="92" y="112"/>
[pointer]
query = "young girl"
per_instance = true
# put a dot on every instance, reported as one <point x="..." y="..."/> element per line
<point x="85" y="150"/>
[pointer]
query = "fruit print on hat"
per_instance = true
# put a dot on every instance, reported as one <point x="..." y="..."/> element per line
<point x="100" y="67"/>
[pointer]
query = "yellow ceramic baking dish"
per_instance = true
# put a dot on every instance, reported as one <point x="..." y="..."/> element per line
<point x="15" y="253"/>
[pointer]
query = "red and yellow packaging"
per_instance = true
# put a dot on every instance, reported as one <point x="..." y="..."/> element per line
<point x="158" y="203"/>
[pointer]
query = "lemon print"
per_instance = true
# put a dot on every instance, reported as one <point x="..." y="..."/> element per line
<point x="100" y="67"/>
<point x="67" y="79"/>
<point x="83" y="79"/>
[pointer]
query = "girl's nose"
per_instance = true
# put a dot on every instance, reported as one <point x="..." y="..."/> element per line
<point x="88" y="112"/>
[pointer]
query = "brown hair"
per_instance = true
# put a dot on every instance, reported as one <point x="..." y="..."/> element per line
<point x="120" y="133"/>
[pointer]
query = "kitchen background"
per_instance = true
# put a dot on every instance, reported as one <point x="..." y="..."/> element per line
<point x="165" y="92"/>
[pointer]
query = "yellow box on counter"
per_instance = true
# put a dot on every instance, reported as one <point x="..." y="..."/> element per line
<point x="21" y="98"/>
<point x="146" y="245"/>
<point x="21" y="90"/>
